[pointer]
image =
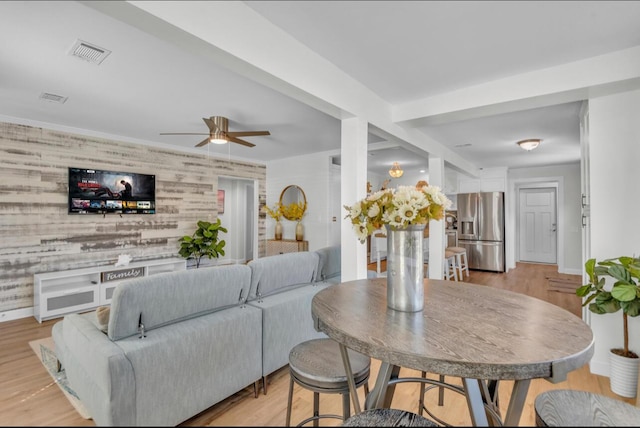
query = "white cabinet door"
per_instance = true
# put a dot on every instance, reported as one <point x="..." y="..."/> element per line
<point x="492" y="185"/>
<point x="469" y="185"/>
<point x="454" y="201"/>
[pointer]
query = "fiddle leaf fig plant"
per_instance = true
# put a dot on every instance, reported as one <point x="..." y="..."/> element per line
<point x="203" y="242"/>
<point x="624" y="295"/>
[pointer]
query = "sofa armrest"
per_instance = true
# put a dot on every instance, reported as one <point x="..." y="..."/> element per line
<point x="98" y="371"/>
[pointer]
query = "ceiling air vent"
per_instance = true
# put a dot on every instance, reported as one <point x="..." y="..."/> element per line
<point x="89" y="52"/>
<point x="53" y="98"/>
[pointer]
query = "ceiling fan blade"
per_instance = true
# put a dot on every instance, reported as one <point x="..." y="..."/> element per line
<point x="239" y="141"/>
<point x="203" y="142"/>
<point x="210" y="123"/>
<point x="248" y="133"/>
<point x="183" y="133"/>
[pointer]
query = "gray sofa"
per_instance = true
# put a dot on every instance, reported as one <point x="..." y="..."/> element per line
<point x="282" y="288"/>
<point x="210" y="333"/>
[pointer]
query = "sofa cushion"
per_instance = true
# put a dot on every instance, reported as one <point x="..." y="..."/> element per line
<point x="166" y="298"/>
<point x="275" y="274"/>
<point x="329" y="265"/>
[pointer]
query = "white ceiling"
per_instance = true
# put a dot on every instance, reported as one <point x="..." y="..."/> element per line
<point x="404" y="52"/>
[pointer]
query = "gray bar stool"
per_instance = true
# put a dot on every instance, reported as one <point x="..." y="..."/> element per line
<point x="565" y="407"/>
<point x="317" y="365"/>
<point x="388" y="418"/>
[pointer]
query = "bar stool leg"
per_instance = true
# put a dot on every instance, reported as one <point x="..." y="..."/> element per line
<point x="421" y="399"/>
<point x="459" y="266"/>
<point x="422" y="391"/>
<point x="450" y="270"/>
<point x="290" y="401"/>
<point x="316" y="408"/>
<point x="446" y="274"/>
<point x="465" y="265"/>
<point x="346" y="406"/>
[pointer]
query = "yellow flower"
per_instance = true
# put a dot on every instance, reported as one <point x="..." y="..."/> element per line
<point x="399" y="208"/>
<point x="275" y="212"/>
<point x="294" y="211"/>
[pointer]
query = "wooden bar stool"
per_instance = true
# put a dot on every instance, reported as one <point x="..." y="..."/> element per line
<point x="462" y="262"/>
<point x="317" y="365"/>
<point x="565" y="407"/>
<point x="450" y="269"/>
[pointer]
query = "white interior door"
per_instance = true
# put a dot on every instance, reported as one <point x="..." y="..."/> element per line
<point x="538" y="225"/>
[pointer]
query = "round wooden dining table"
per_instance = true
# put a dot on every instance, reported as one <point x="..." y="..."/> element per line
<point x="477" y="333"/>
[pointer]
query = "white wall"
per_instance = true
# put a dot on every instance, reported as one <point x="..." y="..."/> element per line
<point x="614" y="150"/>
<point x="313" y="174"/>
<point x="569" y="214"/>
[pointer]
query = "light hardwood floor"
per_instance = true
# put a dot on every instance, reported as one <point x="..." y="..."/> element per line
<point x="28" y="396"/>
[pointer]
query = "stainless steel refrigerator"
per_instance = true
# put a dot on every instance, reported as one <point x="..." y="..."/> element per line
<point x="481" y="229"/>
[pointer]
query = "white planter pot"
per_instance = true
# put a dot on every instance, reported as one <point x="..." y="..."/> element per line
<point x="624" y="375"/>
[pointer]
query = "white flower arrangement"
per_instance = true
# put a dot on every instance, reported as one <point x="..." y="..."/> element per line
<point x="399" y="208"/>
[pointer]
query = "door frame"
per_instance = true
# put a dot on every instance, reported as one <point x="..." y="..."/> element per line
<point x="250" y="212"/>
<point x="514" y="209"/>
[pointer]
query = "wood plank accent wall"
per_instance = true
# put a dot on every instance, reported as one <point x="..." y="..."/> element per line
<point x="38" y="235"/>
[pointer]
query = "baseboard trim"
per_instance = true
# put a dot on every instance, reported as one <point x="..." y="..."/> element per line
<point x="16" y="314"/>
<point x="570" y="271"/>
<point x="599" y="367"/>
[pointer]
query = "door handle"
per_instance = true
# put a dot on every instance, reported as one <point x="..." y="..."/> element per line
<point x="553" y="227"/>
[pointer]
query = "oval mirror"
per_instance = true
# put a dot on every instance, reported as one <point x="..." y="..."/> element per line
<point x="292" y="195"/>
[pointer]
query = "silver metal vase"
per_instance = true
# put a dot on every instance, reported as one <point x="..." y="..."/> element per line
<point x="405" y="268"/>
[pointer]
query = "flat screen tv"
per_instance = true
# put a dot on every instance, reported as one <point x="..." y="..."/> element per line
<point x="94" y="191"/>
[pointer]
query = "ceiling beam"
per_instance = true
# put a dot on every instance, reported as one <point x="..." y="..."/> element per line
<point x="247" y="43"/>
<point x="575" y="81"/>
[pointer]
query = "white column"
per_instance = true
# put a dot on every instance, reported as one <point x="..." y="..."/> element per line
<point x="436" y="228"/>
<point x="353" y="187"/>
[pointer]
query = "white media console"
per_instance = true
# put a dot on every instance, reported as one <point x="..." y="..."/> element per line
<point x="59" y="293"/>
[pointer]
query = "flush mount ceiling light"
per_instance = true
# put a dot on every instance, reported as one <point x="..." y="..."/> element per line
<point x="396" y="171"/>
<point x="530" y="144"/>
<point x="218" y="137"/>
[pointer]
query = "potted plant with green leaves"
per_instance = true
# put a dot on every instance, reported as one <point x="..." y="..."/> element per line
<point x="204" y="242"/>
<point x="623" y="295"/>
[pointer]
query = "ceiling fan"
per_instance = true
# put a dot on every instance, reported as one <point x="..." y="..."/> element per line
<point x="219" y="133"/>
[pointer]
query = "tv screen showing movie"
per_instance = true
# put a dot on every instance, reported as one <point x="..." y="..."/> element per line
<point x="94" y="191"/>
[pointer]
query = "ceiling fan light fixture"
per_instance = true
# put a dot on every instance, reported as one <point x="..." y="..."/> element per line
<point x="529" y="144"/>
<point x="218" y="137"/>
<point x="396" y="171"/>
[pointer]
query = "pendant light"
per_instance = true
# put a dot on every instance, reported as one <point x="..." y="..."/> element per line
<point x="396" y="171"/>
